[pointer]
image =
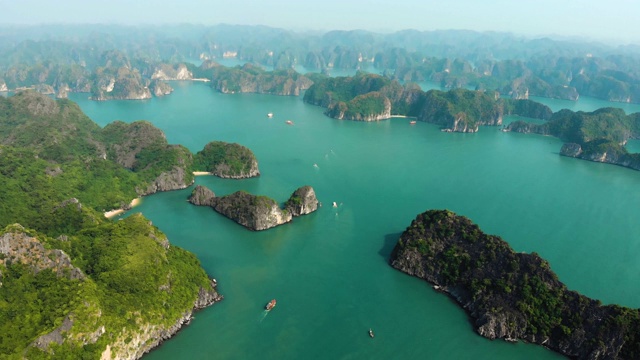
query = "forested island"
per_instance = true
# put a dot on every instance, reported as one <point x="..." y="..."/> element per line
<point x="74" y="283"/>
<point x="509" y="295"/>
<point x="371" y="97"/>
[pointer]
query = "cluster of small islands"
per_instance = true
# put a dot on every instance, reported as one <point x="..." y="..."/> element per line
<point x="72" y="282"/>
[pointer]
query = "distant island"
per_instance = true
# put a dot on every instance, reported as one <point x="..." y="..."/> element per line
<point x="257" y="212"/>
<point x="597" y="136"/>
<point x="122" y="62"/>
<point x="509" y="295"/>
<point x="371" y="97"/>
<point x="254" y="79"/>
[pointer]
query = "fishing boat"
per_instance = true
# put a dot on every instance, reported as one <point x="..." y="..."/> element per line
<point x="271" y="305"/>
<point x="371" y="333"/>
<point x="412" y="122"/>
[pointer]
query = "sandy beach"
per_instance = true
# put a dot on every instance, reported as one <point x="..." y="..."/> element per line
<point x="109" y="214"/>
<point x="201" y="173"/>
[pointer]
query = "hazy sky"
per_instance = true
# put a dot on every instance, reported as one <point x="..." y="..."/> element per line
<point x="616" y="20"/>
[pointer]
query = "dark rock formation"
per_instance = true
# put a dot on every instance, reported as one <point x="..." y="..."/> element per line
<point x="512" y="295"/>
<point x="303" y="201"/>
<point x="202" y="196"/>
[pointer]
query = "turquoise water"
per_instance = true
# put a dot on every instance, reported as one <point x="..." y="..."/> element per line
<point x="329" y="271"/>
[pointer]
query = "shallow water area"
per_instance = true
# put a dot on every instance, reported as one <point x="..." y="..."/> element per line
<point x="329" y="271"/>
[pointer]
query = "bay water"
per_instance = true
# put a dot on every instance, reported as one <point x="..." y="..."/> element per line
<point x="329" y="270"/>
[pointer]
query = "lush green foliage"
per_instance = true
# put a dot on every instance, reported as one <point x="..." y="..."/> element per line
<point x="132" y="278"/>
<point x="225" y="159"/>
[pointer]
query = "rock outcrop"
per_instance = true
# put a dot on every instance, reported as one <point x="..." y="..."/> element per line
<point x="513" y="296"/>
<point x="202" y="196"/>
<point x="172" y="72"/>
<point x="251" y="211"/>
<point x="303" y="201"/>
<point x="16" y="245"/>
<point x="160" y="88"/>
<point x="257" y="212"/>
<point x="177" y="178"/>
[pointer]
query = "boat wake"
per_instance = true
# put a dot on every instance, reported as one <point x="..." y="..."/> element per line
<point x="263" y="316"/>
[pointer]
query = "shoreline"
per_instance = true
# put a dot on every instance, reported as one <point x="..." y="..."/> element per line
<point x="109" y="214"/>
<point x="202" y="173"/>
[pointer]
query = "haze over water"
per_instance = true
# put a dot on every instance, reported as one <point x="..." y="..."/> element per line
<point x="329" y="270"/>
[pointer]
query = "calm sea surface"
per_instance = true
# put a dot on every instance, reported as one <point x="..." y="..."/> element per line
<point x="329" y="270"/>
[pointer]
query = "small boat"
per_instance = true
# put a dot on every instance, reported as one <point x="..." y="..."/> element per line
<point x="289" y="122"/>
<point x="412" y="122"/>
<point x="270" y="115"/>
<point x="371" y="333"/>
<point x="335" y="204"/>
<point x="271" y="305"/>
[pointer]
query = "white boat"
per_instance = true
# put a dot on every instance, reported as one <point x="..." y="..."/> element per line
<point x="270" y="115"/>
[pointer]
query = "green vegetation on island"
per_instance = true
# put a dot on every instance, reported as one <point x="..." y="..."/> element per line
<point x="509" y="295"/>
<point x="73" y="283"/>
<point x="596" y="136"/>
<point x="254" y="79"/>
<point x="373" y="97"/>
<point x="227" y="160"/>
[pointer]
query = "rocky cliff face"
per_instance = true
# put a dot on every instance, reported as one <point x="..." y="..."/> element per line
<point x="257" y="212"/>
<point x="303" y="201"/>
<point x="133" y="346"/>
<point x="345" y="111"/>
<point x="251" y="211"/>
<point x="16" y="245"/>
<point x="169" y="180"/>
<point x="160" y="88"/>
<point x="202" y="196"/>
<point x="513" y="296"/>
<point x="169" y="72"/>
<point x="609" y="153"/>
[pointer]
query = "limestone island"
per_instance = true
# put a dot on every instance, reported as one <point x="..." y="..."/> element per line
<point x="598" y="136"/>
<point x="257" y="212"/>
<point x="250" y="78"/>
<point x="227" y="160"/>
<point x="512" y="296"/>
<point x="371" y="97"/>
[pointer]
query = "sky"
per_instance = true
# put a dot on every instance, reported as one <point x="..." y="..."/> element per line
<point x="614" y="21"/>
